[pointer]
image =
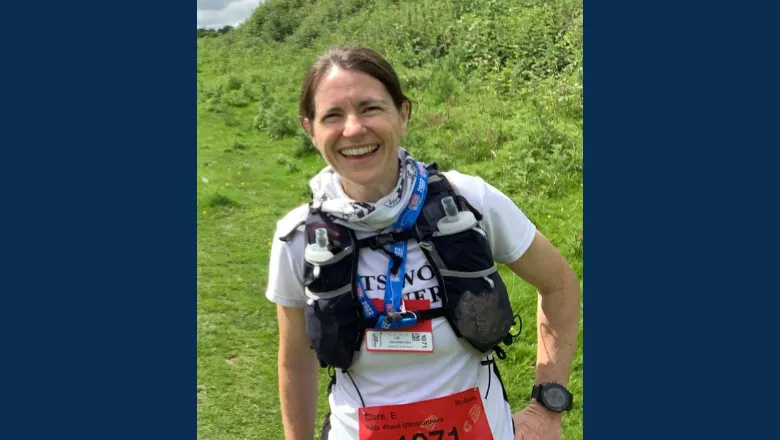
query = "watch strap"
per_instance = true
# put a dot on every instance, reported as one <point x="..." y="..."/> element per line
<point x="536" y="392"/>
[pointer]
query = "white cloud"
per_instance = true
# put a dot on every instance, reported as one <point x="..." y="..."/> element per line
<point x="213" y="4"/>
<point x="219" y="13"/>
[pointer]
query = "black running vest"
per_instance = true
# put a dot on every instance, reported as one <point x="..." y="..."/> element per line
<point x="474" y="298"/>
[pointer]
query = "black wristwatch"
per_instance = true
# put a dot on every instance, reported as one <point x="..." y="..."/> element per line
<point x="552" y="396"/>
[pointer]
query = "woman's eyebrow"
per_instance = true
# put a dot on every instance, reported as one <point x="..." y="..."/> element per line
<point x="330" y="109"/>
<point x="362" y="103"/>
<point x="366" y="102"/>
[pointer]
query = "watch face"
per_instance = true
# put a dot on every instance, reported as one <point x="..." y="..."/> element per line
<point x="554" y="398"/>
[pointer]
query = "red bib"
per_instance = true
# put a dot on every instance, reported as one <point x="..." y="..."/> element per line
<point x="459" y="416"/>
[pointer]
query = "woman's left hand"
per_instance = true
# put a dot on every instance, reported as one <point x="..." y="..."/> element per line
<point x="536" y="422"/>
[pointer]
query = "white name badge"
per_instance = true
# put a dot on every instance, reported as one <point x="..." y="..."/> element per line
<point x="399" y="341"/>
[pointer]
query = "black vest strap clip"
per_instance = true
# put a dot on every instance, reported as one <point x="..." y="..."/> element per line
<point x="379" y="241"/>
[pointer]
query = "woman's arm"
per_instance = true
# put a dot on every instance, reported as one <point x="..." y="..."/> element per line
<point x="557" y="320"/>
<point x="297" y="375"/>
<point x="558" y="310"/>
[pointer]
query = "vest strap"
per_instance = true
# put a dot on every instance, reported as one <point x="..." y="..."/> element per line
<point x="422" y="315"/>
<point x="381" y="240"/>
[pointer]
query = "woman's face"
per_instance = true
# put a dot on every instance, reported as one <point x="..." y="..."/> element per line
<point x="357" y="128"/>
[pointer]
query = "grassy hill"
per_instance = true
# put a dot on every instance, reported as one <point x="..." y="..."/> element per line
<point x="497" y="90"/>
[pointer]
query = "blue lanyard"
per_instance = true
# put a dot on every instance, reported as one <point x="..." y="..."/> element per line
<point x="394" y="316"/>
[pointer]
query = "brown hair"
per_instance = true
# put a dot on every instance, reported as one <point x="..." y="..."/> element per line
<point x="349" y="57"/>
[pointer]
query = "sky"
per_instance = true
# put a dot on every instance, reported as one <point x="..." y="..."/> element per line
<point x="218" y="13"/>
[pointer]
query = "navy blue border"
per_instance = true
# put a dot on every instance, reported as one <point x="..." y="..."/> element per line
<point x="680" y="145"/>
<point x="98" y="313"/>
<point x="99" y="268"/>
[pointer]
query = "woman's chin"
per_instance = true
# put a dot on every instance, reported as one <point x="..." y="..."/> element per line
<point x="364" y="177"/>
<point x="363" y="171"/>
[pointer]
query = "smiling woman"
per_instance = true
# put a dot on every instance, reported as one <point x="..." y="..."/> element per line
<point x="411" y="356"/>
<point x="358" y="131"/>
<point x="358" y="120"/>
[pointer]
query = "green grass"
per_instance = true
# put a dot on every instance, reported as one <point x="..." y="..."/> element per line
<point x="522" y="135"/>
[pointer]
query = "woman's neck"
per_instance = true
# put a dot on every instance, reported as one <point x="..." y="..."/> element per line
<point x="373" y="191"/>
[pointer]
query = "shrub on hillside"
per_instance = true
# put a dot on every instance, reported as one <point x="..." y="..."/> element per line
<point x="233" y="82"/>
<point x="248" y="92"/>
<point x="302" y="145"/>
<point x="275" y="20"/>
<point x="275" y="121"/>
<point x="218" y="200"/>
<point x="235" y="98"/>
<point x="279" y="124"/>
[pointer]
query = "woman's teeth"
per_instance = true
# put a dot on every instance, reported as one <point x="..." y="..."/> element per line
<point x="359" y="151"/>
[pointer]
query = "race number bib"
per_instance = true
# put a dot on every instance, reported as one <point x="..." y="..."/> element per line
<point x="459" y="416"/>
<point x="415" y="339"/>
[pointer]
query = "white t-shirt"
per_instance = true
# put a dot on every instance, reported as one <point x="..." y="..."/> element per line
<point x="398" y="378"/>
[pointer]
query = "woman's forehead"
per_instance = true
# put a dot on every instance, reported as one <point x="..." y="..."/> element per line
<point x="342" y="87"/>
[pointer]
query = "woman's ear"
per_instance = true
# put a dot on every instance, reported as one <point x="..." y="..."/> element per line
<point x="306" y="126"/>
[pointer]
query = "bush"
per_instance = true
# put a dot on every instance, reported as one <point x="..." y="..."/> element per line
<point x="273" y="118"/>
<point x="235" y="98"/>
<point x="276" y="20"/>
<point x="289" y="165"/>
<point x="238" y="144"/>
<point x="233" y="83"/>
<point x="220" y="200"/>
<point x="302" y="145"/>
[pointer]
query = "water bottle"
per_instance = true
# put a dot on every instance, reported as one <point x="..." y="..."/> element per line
<point x="455" y="221"/>
<point x="317" y="253"/>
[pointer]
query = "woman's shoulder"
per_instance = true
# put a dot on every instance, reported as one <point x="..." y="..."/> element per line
<point x="461" y="179"/>
<point x="291" y="221"/>
<point x="473" y="188"/>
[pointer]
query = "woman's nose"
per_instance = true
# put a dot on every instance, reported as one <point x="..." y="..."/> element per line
<point x="353" y="126"/>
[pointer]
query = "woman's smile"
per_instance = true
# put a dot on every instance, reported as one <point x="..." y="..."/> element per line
<point x="359" y="152"/>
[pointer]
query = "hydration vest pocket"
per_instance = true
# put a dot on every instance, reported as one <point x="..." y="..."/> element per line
<point x="334" y="326"/>
<point x="331" y="314"/>
<point x="330" y="275"/>
<point x="465" y="251"/>
<point x="327" y="265"/>
<point x="480" y="307"/>
<point x="477" y="296"/>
